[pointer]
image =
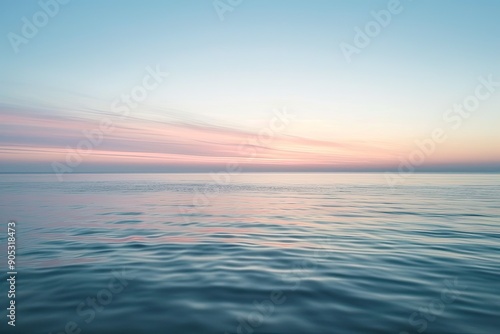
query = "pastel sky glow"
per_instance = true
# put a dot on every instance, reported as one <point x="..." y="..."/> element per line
<point x="230" y="82"/>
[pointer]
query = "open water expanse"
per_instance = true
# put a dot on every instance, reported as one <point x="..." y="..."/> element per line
<point x="253" y="253"/>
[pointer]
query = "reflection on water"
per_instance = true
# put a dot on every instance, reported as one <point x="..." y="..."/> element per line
<point x="263" y="253"/>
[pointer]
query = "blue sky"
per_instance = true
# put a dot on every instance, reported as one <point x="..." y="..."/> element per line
<point x="263" y="55"/>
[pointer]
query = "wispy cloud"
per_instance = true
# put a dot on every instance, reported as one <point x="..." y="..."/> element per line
<point x="169" y="139"/>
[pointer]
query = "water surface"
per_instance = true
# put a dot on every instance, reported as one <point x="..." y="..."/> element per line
<point x="254" y="253"/>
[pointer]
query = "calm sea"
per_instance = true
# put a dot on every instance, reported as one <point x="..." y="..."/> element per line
<point x="254" y="253"/>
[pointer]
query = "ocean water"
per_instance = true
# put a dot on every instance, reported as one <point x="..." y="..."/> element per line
<point x="253" y="253"/>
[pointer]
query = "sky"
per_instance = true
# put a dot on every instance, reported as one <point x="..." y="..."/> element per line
<point x="249" y="85"/>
